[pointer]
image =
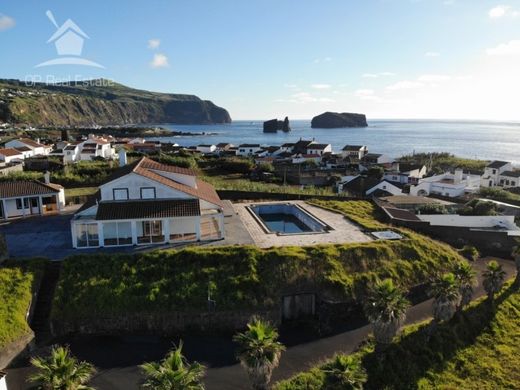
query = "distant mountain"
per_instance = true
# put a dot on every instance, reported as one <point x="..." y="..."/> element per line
<point x="331" y="120"/>
<point x="101" y="102"/>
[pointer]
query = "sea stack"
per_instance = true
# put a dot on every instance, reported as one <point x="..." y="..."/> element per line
<point x="273" y="125"/>
<point x="333" y="120"/>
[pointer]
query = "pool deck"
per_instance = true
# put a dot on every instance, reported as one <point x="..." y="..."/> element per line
<point x="343" y="231"/>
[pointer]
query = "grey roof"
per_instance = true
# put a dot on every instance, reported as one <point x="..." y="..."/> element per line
<point x="353" y="147"/>
<point x="497" y="164"/>
<point x="515" y="174"/>
<point x="139" y="209"/>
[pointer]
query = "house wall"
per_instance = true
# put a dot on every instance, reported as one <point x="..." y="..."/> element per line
<point x="8" y="159"/>
<point x="385" y="186"/>
<point x="470" y="221"/>
<point x="134" y="183"/>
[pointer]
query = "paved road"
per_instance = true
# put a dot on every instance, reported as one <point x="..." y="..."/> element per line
<point x="118" y="357"/>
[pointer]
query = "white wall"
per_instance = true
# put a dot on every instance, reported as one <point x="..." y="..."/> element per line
<point x="385" y="186"/>
<point x="507" y="221"/>
<point x="3" y="384"/>
<point x="134" y="183"/>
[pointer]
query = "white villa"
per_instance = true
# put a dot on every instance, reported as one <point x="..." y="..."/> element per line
<point x="149" y="203"/>
<point x="451" y="185"/>
<point x="27" y="198"/>
<point x="30" y="147"/>
<point x="500" y="173"/>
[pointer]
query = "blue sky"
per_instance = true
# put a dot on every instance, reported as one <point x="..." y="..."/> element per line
<point x="267" y="58"/>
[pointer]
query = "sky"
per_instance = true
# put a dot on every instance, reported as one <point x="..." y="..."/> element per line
<point x="261" y="59"/>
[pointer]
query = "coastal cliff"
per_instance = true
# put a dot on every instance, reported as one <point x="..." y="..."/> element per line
<point x="331" y="120"/>
<point x="101" y="103"/>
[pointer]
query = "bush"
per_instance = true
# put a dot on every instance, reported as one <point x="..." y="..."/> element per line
<point x="479" y="207"/>
<point x="432" y="209"/>
<point x="470" y="252"/>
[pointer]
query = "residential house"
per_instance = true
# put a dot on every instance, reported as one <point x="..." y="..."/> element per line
<point x="8" y="155"/>
<point x="26" y="198"/>
<point x="247" y="150"/>
<point x="301" y="146"/>
<point x="319" y="149"/>
<point x="70" y="153"/>
<point x="95" y="147"/>
<point x="223" y="147"/>
<point x="376" y="159"/>
<point x="406" y="173"/>
<point x="25" y="144"/>
<point x="366" y="186"/>
<point x="500" y="174"/>
<point x="206" y="149"/>
<point x="149" y="203"/>
<point x="448" y="184"/>
<point x="354" y="152"/>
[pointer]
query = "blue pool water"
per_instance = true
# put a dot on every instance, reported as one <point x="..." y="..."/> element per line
<point x="287" y="218"/>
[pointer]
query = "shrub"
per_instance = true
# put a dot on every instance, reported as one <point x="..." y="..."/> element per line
<point x="470" y="252"/>
<point x="479" y="207"/>
<point x="432" y="209"/>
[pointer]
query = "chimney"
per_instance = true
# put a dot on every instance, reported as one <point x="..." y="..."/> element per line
<point x="457" y="179"/>
<point x="122" y="157"/>
<point x="47" y="177"/>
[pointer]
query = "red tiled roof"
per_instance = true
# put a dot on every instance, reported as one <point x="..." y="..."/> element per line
<point x="31" y="142"/>
<point x="148" y="209"/>
<point x="12" y="189"/>
<point x="9" y="152"/>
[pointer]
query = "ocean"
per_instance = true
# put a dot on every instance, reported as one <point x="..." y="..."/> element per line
<point x="472" y="139"/>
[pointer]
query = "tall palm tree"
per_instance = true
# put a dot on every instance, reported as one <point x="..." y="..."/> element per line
<point x="61" y="371"/>
<point x="345" y="373"/>
<point x="466" y="279"/>
<point x="494" y="277"/>
<point x="446" y="297"/>
<point x="173" y="373"/>
<point x="259" y="351"/>
<point x="386" y="310"/>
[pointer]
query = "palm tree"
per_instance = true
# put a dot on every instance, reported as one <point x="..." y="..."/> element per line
<point x="386" y="310"/>
<point x="493" y="279"/>
<point x="345" y="373"/>
<point x="61" y="371"/>
<point x="466" y="279"/>
<point x="173" y="373"/>
<point x="446" y="296"/>
<point x="259" y="351"/>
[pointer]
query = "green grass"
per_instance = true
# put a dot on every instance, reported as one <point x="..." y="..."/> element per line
<point x="17" y="284"/>
<point x="479" y="350"/>
<point x="240" y="277"/>
<point x="364" y="213"/>
<point x="82" y="191"/>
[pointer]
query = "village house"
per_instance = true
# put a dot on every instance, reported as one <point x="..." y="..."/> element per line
<point x="27" y="198"/>
<point x="29" y="147"/>
<point x="149" y="203"/>
<point x="8" y="155"/>
<point x="95" y="147"/>
<point x="500" y="174"/>
<point x="206" y="149"/>
<point x="406" y="173"/>
<point x="354" y="152"/>
<point x="448" y="184"/>
<point x="247" y="150"/>
<point x="366" y="186"/>
<point x="376" y="159"/>
<point x="319" y="149"/>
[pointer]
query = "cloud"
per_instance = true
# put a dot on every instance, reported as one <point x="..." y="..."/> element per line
<point x="6" y="22"/>
<point x="320" y="86"/>
<point x="406" y="84"/>
<point x="320" y="60"/>
<point x="432" y="54"/>
<point x="505" y="49"/>
<point x="376" y="75"/>
<point x="159" y="61"/>
<point x="501" y="11"/>
<point x="305" y="97"/>
<point x="154" y="43"/>
<point x="433" y="78"/>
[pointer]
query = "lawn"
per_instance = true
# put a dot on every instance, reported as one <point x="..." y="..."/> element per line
<point x="364" y="213"/>
<point x="81" y="191"/>
<point x="17" y="284"/>
<point x="478" y="350"/>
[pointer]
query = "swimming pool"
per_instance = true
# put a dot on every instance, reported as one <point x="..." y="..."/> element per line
<point x="286" y="218"/>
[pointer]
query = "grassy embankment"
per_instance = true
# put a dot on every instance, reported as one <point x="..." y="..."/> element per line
<point x="478" y="350"/>
<point x="17" y="284"/>
<point x="241" y="277"/>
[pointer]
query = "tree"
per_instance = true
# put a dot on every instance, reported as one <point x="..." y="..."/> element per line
<point x="173" y="373"/>
<point x="466" y="280"/>
<point x="386" y="310"/>
<point x="259" y="351"/>
<point x="494" y="276"/>
<point x="446" y="296"/>
<point x="61" y="371"/>
<point x="345" y="373"/>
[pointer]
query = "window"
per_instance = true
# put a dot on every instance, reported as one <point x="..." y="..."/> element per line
<point x="120" y="193"/>
<point x="149" y="232"/>
<point x="34" y="202"/>
<point x="19" y="203"/>
<point x="147" y="192"/>
<point x="117" y="233"/>
<point x="87" y="235"/>
<point x="494" y="171"/>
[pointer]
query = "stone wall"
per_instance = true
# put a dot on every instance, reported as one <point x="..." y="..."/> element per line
<point x="161" y="323"/>
<point x="15" y="349"/>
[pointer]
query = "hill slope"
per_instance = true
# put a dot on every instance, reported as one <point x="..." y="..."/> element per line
<point x="101" y="103"/>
